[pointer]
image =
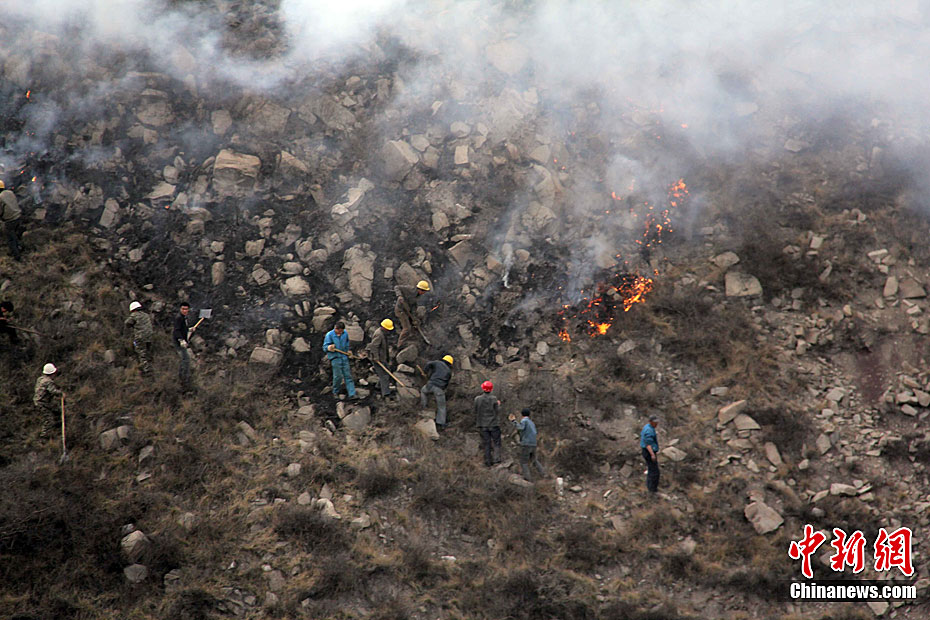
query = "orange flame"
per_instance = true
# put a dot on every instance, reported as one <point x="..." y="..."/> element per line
<point x="563" y="334"/>
<point x="28" y="92"/>
<point x="599" y="328"/>
<point x="636" y="293"/>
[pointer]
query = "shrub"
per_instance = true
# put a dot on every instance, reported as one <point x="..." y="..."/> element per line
<point x="310" y="529"/>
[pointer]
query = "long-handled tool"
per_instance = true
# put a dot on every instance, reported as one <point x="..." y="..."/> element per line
<point x="205" y="313"/>
<point x="26" y="329"/>
<point x="346" y="353"/>
<point x="390" y="374"/>
<point x="64" y="445"/>
<point x="422" y="335"/>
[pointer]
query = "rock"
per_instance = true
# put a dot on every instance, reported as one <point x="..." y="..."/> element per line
<point x="838" y="488"/>
<point x="909" y="288"/>
<point x="397" y="158"/>
<point x="459" y="129"/>
<point x="742" y="285"/>
<point x="729" y="412"/>
<point x="908" y="410"/>
<point x="507" y="56"/>
<point x="745" y="423"/>
<point x="218" y="273"/>
<point x="110" y="216"/>
<point x="461" y="155"/>
<point x="291" y="166"/>
<point x="221" y="121"/>
<point x="109" y="356"/>
<point x="260" y="275"/>
<point x="408" y="355"/>
<point x="357" y="420"/>
<point x="440" y="221"/>
<point x="136" y="573"/>
<point x="891" y="287"/>
<point x="268" y="118"/>
<point x="135" y="255"/>
<point x="625" y="347"/>
<point x="267" y="356"/>
<point x="823" y="443"/>
<point x="304" y="499"/>
<point x="462" y="252"/>
<point x="325" y="506"/>
<point x="836" y="394"/>
<point x="295" y="285"/>
<point x="293" y="470"/>
<point x="408" y="393"/>
<point x="134" y="545"/>
<point x="878" y="607"/>
<point x="427" y="428"/>
<point x="299" y="345"/>
<point x="146" y="453"/>
<point x="674" y="454"/>
<point x="235" y="173"/>
<point x="188" y="521"/>
<point x="763" y="518"/>
<point x="520" y="481"/>
<point x="109" y="440"/>
<point x="254" y="248"/>
<point x="355" y="332"/>
<point x="361" y="523"/>
<point x="725" y="260"/>
<point x="275" y="580"/>
<point x="173" y="581"/>
<point x="542" y="347"/>
<point x="359" y="262"/>
<point x="795" y="146"/>
<point x="771" y="453"/>
<point x="876" y="256"/>
<point x="248" y="431"/>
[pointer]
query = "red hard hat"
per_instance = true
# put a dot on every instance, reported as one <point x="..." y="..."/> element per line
<point x="487" y="386"/>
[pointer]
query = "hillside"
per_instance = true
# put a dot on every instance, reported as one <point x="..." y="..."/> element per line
<point x="697" y="227"/>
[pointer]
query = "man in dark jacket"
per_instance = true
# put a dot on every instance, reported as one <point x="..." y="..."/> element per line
<point x="11" y="217"/>
<point x="378" y="353"/>
<point x="179" y="336"/>
<point x="6" y="313"/>
<point x="407" y="311"/>
<point x="439" y="373"/>
<point x="487" y="410"/>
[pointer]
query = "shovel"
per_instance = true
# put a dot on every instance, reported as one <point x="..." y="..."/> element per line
<point x="205" y="313"/>
<point x="64" y="446"/>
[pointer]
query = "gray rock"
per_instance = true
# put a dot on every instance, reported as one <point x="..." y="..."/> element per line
<point x="293" y="470"/>
<point x="763" y="518"/>
<point x="357" y="420"/>
<point x="674" y="454"/>
<point x="891" y="287"/>
<point x="729" y="412"/>
<point x="325" y="506"/>
<point x="109" y="440"/>
<point x="299" y="345"/>
<point x="260" y="275"/>
<point x="838" y="488"/>
<point x="235" y="173"/>
<point x="461" y="155"/>
<point x="110" y="216"/>
<point x="361" y="522"/>
<point x="218" y="273"/>
<point x="221" y="121"/>
<point x="909" y="288"/>
<point x="823" y="443"/>
<point x="507" y="56"/>
<point x="745" y="423"/>
<point x="397" y="158"/>
<point x="771" y="453"/>
<point x="427" y="428"/>
<point x="408" y="355"/>
<point x="275" y="580"/>
<point x="266" y="355"/>
<point x="359" y="262"/>
<point x="462" y="252"/>
<point x="725" y="260"/>
<point x="136" y="573"/>
<point x="742" y="285"/>
<point x="304" y="499"/>
<point x="248" y="431"/>
<point x="134" y="545"/>
<point x="295" y="285"/>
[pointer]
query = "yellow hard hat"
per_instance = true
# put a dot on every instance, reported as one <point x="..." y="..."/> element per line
<point x="423" y="285"/>
<point x="447" y="358"/>
<point x="387" y="324"/>
<point x="2" y="186"/>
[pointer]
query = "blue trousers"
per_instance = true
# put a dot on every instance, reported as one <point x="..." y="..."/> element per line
<point x="342" y="374"/>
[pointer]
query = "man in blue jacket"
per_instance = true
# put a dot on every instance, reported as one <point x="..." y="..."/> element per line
<point x="527" y="430"/>
<point x="336" y="345"/>
<point x="650" y="446"/>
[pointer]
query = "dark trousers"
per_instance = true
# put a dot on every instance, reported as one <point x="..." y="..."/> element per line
<point x="384" y="380"/>
<point x="491" y="443"/>
<point x="10" y="332"/>
<point x="13" y="231"/>
<point x="184" y="368"/>
<point x="652" y="473"/>
<point x="527" y="456"/>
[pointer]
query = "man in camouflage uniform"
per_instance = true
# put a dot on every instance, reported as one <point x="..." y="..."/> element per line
<point x="47" y="400"/>
<point x="378" y="352"/>
<point x="406" y="310"/>
<point x="10" y="215"/>
<point x="142" y="333"/>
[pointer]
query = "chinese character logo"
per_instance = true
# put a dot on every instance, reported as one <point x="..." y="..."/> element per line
<point x="805" y="547"/>
<point x="894" y="550"/>
<point x="891" y="550"/>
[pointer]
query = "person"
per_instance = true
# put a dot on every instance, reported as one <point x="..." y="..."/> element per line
<point x="404" y="309"/>
<point x="10" y="215"/>
<point x="337" y="338"/>
<point x="378" y="352"/>
<point x="528" y="441"/>
<point x="649" y="444"/>
<point x="142" y="334"/>
<point x="439" y="373"/>
<point x="6" y="312"/>
<point x="179" y="335"/>
<point x="47" y="400"/>
<point x="487" y="410"/>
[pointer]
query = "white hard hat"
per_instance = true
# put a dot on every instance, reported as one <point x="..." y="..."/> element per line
<point x="49" y="369"/>
<point x="135" y="306"/>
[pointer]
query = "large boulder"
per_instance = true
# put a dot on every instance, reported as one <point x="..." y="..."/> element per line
<point x="764" y="518"/>
<point x="266" y="356"/>
<point x="742" y="285"/>
<point x="234" y="174"/>
<point x="397" y="158"/>
<point x="359" y="262"/>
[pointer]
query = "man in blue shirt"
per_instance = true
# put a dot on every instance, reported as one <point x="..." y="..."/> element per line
<point x="650" y="446"/>
<point x="527" y="431"/>
<point x="336" y="345"/>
